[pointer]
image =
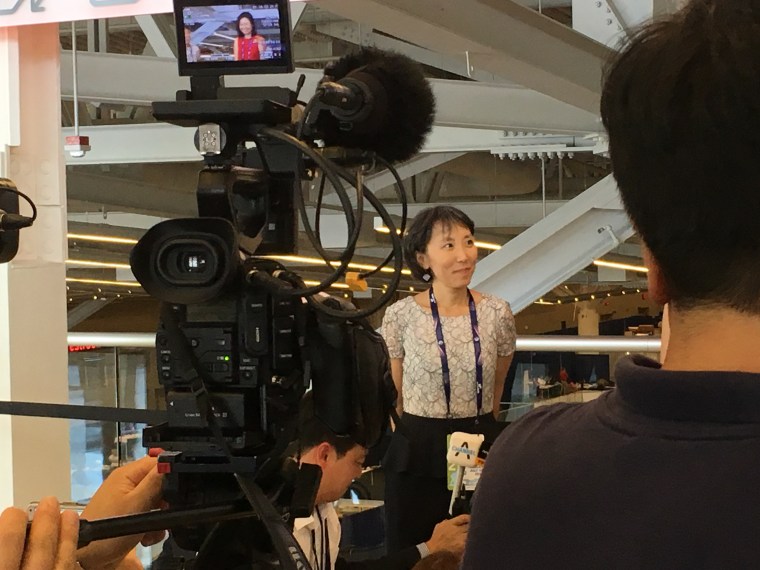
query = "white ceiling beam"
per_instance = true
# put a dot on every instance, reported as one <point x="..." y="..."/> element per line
<point x="160" y="37"/>
<point x="511" y="214"/>
<point x="84" y="311"/>
<point x="116" y="193"/>
<point x="543" y="4"/>
<point x="357" y="34"/>
<point x="160" y="142"/>
<point x="610" y="21"/>
<point x="101" y="220"/>
<point x="113" y="78"/>
<point x="499" y="214"/>
<point x="501" y="36"/>
<point x="418" y="164"/>
<point x="556" y="248"/>
<point x="296" y="11"/>
<point x="142" y="143"/>
<point x="516" y="215"/>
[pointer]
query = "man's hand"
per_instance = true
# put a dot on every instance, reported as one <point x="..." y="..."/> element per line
<point x="133" y="488"/>
<point x="52" y="540"/>
<point x="450" y="535"/>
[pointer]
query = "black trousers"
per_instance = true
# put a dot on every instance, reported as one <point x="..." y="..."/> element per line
<point x="414" y="504"/>
<point x="416" y="497"/>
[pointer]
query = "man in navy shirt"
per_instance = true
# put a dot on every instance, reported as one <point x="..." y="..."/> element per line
<point x="664" y="471"/>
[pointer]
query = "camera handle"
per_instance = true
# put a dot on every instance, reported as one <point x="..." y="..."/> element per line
<point x="289" y="552"/>
<point x="157" y="520"/>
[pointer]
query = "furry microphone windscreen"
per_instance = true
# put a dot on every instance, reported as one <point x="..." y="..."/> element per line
<point x="404" y="105"/>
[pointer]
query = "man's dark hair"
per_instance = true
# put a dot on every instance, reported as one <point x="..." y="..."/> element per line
<point x="681" y="104"/>
<point x="253" y="23"/>
<point x="312" y="431"/>
<point x="420" y="231"/>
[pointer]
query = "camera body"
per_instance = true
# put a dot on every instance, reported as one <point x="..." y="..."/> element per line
<point x="248" y="347"/>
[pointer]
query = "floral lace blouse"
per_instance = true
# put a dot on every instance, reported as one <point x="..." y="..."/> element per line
<point x="409" y="332"/>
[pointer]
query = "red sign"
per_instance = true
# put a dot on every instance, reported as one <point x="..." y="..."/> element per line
<point x="83" y="348"/>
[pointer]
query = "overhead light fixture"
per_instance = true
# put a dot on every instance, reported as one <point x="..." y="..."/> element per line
<point x="103" y="282"/>
<point x="385" y="230"/>
<point x="102" y="239"/>
<point x="317" y="261"/>
<point x="624" y="266"/>
<point x="334" y="285"/>
<point x="381" y="228"/>
<point x="101" y="264"/>
<point x="542" y="302"/>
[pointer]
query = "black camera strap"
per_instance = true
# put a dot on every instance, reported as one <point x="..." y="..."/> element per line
<point x="290" y="553"/>
<point x="76" y="412"/>
<point x="190" y="370"/>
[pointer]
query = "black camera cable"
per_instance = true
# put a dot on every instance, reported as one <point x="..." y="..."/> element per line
<point x="401" y="193"/>
<point x="9" y="222"/>
<point x="354" y="224"/>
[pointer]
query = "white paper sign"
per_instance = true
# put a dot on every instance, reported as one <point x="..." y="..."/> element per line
<point x="25" y="12"/>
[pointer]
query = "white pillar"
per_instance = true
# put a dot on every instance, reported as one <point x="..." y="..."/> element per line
<point x="34" y="452"/>
<point x="588" y="319"/>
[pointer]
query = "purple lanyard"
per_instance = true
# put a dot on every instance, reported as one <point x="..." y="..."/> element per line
<point x="445" y="357"/>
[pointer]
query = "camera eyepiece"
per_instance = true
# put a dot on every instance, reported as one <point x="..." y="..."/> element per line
<point x="187" y="261"/>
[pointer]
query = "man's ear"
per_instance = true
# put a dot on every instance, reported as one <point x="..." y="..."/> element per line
<point x="658" y="288"/>
<point x="322" y="454"/>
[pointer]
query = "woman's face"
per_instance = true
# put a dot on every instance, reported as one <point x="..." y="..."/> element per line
<point x="246" y="26"/>
<point x="451" y="255"/>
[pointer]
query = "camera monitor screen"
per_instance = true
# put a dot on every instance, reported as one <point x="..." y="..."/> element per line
<point x="218" y="37"/>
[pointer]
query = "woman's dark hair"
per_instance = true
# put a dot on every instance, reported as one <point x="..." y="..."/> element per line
<point x="681" y="104"/>
<point x="420" y="231"/>
<point x="253" y="23"/>
<point x="312" y="431"/>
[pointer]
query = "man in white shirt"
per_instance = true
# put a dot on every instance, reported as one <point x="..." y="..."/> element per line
<point x="342" y="461"/>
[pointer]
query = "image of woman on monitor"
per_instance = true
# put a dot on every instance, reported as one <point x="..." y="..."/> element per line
<point x="248" y="46"/>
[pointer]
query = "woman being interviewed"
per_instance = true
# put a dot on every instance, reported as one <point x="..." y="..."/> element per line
<point x="248" y="46"/>
<point x="450" y="351"/>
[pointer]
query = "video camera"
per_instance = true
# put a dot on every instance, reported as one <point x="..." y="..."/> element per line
<point x="241" y="338"/>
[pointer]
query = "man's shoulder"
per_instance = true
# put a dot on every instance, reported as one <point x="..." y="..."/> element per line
<point x="554" y="416"/>
<point x="544" y="426"/>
